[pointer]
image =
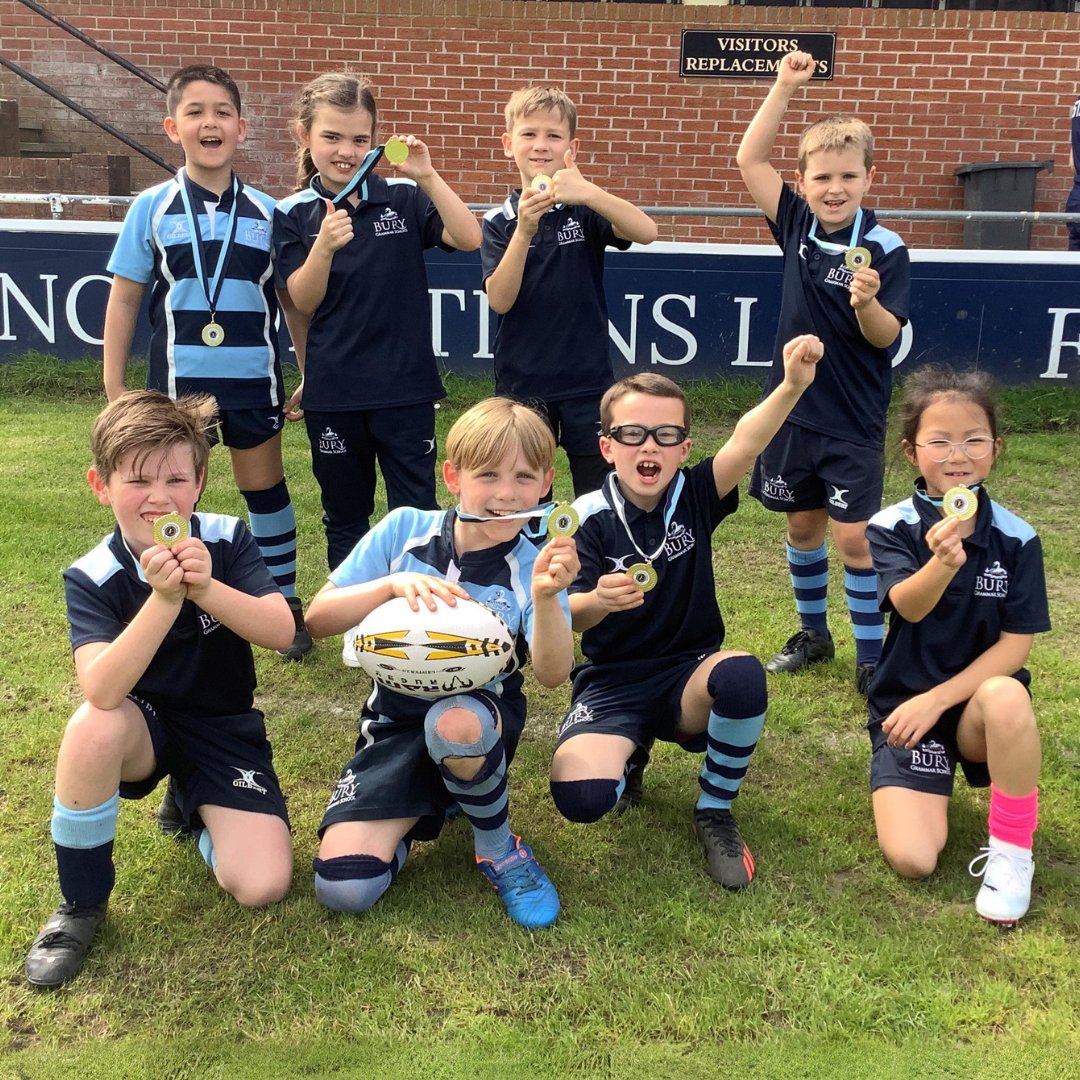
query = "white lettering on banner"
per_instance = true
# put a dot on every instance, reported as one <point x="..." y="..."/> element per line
<point x="627" y="348"/>
<point x="1057" y="343"/>
<point x="483" y="348"/>
<point x="71" y="307"/>
<point x="47" y="326"/>
<point x="745" y="304"/>
<point x="436" y="316"/>
<point x="673" y="328"/>
<point x="907" y="336"/>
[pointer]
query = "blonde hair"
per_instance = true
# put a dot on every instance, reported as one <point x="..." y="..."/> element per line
<point x="837" y="133"/>
<point x="495" y="428"/>
<point x="145" y="421"/>
<point x="647" y="382"/>
<point x="339" y="90"/>
<point x="532" y="99"/>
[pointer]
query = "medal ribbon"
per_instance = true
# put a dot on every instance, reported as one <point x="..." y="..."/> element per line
<point x="619" y="503"/>
<point x="371" y="159"/>
<point x="837" y="249"/>
<point x="212" y="288"/>
<point x="543" y="510"/>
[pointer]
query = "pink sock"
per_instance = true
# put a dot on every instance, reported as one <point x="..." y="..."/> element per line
<point x="1013" y="817"/>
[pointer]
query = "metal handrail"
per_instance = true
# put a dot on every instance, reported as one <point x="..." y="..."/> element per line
<point x="87" y="114"/>
<point x="75" y="32"/>
<point x="58" y="201"/>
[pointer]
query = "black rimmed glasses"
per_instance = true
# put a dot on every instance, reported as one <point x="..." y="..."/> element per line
<point x="636" y="434"/>
<point x="976" y="448"/>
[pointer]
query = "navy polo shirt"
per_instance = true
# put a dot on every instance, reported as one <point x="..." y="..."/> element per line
<point x="553" y="343"/>
<point x="202" y="668"/>
<point x="999" y="589"/>
<point x="851" y="390"/>
<point x="369" y="344"/>
<point x="422" y="542"/>
<point x="680" y="616"/>
<point x="154" y="246"/>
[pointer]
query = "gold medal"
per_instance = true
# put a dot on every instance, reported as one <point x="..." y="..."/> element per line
<point x="960" y="502"/>
<point x="643" y="576"/>
<point x="170" y="529"/>
<point x="563" y="521"/>
<point x="857" y="258"/>
<point x="212" y="334"/>
<point x="542" y="183"/>
<point x="396" y="151"/>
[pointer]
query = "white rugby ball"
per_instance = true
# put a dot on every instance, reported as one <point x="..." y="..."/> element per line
<point x="430" y="654"/>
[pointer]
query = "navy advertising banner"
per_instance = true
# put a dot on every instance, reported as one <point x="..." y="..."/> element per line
<point x="690" y="311"/>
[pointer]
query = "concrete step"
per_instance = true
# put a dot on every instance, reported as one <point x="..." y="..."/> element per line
<point x="44" y="150"/>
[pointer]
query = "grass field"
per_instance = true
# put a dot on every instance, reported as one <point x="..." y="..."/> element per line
<point x="829" y="966"/>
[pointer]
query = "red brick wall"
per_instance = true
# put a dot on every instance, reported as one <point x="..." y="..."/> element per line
<point x="939" y="89"/>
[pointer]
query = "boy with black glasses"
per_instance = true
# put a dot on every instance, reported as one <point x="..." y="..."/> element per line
<point x="645" y="601"/>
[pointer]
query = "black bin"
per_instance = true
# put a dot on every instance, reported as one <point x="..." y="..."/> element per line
<point x="1000" y="185"/>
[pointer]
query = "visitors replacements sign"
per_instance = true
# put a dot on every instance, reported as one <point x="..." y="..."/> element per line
<point x="748" y="54"/>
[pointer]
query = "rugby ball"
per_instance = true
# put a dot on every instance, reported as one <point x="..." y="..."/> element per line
<point x="430" y="654"/>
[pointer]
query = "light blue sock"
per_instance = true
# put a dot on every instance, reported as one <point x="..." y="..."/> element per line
<point x="206" y="849"/>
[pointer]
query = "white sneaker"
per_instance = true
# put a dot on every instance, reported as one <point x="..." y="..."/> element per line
<point x="1006" y="871"/>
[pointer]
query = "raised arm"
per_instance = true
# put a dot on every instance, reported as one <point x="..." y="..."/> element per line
<point x="461" y="230"/>
<point x="757" y="427"/>
<point x="756" y="149"/>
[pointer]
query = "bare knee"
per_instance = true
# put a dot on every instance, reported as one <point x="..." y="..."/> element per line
<point x="911" y="862"/>
<point x="459" y="726"/>
<point x="1006" y="708"/>
<point x="97" y="735"/>
<point x="256" y="890"/>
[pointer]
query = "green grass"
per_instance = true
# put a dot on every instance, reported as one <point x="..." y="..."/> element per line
<point x="829" y="966"/>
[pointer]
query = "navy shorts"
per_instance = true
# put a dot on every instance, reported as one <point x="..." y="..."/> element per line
<point x="214" y="761"/>
<point x="575" y="423"/>
<point x="638" y="700"/>
<point x="805" y="470"/>
<point x="929" y="767"/>
<point x="392" y="775"/>
<point x="243" y="429"/>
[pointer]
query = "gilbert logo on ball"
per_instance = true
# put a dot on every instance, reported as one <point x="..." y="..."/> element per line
<point x="430" y="654"/>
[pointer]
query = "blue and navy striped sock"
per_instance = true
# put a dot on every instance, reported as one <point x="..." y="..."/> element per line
<point x="736" y="719"/>
<point x="273" y="524"/>
<point x="484" y="801"/>
<point x="810" y="580"/>
<point x="867" y="619"/>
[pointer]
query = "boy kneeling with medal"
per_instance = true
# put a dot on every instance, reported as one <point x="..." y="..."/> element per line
<point x="645" y="602"/>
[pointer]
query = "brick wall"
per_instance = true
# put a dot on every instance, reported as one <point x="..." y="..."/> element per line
<point x="940" y="89"/>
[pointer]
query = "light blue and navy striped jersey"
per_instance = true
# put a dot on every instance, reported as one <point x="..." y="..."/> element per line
<point x="154" y="247"/>
<point x="422" y="542"/>
<point x="202" y="668"/>
<point x="1000" y="589"/>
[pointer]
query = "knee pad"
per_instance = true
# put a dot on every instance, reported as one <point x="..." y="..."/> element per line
<point x="351" y="883"/>
<point x="585" y="801"/>
<point x="737" y="687"/>
<point x="488" y="746"/>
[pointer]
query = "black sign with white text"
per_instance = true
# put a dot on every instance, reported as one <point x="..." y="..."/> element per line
<point x="750" y="54"/>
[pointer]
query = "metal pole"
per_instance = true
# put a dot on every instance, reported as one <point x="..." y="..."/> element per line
<point x="86" y="114"/>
